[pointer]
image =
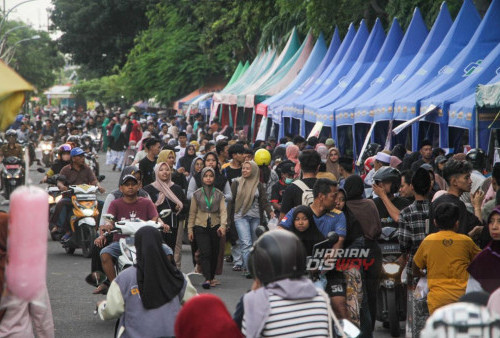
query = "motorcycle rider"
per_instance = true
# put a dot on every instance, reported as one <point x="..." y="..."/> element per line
<point x="47" y="130"/>
<point x="62" y="161"/>
<point x="62" y="134"/>
<point x="130" y="206"/>
<point x="77" y="172"/>
<point x="12" y="148"/>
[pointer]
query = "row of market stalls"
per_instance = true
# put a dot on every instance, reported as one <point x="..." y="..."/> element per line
<point x="367" y="86"/>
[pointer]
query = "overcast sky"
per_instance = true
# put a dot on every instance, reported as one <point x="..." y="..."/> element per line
<point x="33" y="13"/>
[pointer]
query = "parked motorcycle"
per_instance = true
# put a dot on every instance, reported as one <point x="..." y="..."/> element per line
<point x="12" y="174"/>
<point x="83" y="220"/>
<point x="47" y="149"/>
<point x="391" y="297"/>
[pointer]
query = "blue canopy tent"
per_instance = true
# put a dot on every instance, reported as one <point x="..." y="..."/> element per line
<point x="384" y="56"/>
<point x="385" y="98"/>
<point x="296" y="107"/>
<point x="339" y="72"/>
<point x="464" y="116"/>
<point x="411" y="43"/>
<point x="480" y="74"/>
<point x="317" y="55"/>
<point x="279" y="114"/>
<point x="365" y="59"/>
<point x="484" y="40"/>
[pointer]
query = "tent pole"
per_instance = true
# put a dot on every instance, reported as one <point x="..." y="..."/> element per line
<point x="230" y="117"/>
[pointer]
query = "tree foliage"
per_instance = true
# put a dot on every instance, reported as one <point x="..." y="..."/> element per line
<point x="108" y="90"/>
<point x="36" y="60"/>
<point x="99" y="34"/>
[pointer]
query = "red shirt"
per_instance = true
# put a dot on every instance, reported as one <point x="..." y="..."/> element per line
<point x="143" y="209"/>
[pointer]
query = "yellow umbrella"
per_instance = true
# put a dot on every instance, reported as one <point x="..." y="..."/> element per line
<point x="12" y="89"/>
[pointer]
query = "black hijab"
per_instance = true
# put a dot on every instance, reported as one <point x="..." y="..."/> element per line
<point x="186" y="160"/>
<point x="158" y="279"/>
<point x="311" y="235"/>
<point x="220" y="180"/>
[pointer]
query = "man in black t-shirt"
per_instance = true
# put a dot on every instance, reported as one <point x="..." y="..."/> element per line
<point x="233" y="169"/>
<point x="147" y="164"/>
<point x="386" y="183"/>
<point x="285" y="171"/>
<point x="292" y="196"/>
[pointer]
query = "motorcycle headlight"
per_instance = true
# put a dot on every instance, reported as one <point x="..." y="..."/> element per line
<point x="58" y="198"/>
<point x="391" y="268"/>
<point x="51" y="199"/>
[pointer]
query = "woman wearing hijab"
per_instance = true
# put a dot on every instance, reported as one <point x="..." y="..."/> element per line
<point x="292" y="154"/>
<point x="117" y="146"/>
<point x="207" y="222"/>
<point x="187" y="159"/>
<point x="305" y="228"/>
<point x="363" y="230"/>
<point x="246" y="209"/>
<point x="105" y="138"/>
<point x="196" y="167"/>
<point x="332" y="161"/>
<point x="211" y="160"/>
<point x="168" y="156"/>
<point x="205" y="316"/>
<point x="165" y="194"/>
<point x="483" y="270"/>
<point x="147" y="296"/>
<point x="136" y="133"/>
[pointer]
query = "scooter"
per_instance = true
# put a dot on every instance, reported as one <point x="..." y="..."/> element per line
<point x="83" y="220"/>
<point x="55" y="196"/>
<point x="46" y="146"/>
<point x="128" y="228"/>
<point x="12" y="174"/>
<point x="96" y="135"/>
<point x="391" y="296"/>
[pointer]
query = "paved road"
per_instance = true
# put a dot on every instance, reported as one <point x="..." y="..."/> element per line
<point x="73" y="302"/>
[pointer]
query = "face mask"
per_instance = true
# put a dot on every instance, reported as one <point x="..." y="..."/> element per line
<point x="288" y="180"/>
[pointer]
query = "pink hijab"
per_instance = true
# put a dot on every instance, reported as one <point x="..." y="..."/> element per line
<point x="292" y="153"/>
<point x="164" y="188"/>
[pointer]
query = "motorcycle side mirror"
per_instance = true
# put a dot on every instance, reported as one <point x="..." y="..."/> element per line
<point x="260" y="231"/>
<point x="40" y="170"/>
<point x="96" y="278"/>
<point x="350" y="330"/>
<point x="109" y="217"/>
<point x="165" y="213"/>
<point x="332" y="236"/>
<point x="101" y="178"/>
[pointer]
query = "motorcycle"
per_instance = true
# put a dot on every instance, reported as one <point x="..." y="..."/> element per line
<point x="128" y="228"/>
<point x="391" y="296"/>
<point x="55" y="196"/>
<point x="12" y="174"/>
<point x="46" y="147"/>
<point x="83" y="220"/>
<point x="91" y="162"/>
<point x="96" y="135"/>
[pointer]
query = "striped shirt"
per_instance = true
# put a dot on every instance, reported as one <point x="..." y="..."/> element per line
<point x="296" y="318"/>
<point x="413" y="227"/>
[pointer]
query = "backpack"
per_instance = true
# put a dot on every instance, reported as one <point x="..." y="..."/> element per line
<point x="307" y="193"/>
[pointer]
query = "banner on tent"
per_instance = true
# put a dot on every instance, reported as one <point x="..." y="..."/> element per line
<point x="316" y="130"/>
<point x="261" y="134"/>
<point x="408" y="123"/>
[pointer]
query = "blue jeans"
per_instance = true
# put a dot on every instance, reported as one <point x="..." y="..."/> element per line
<point x="246" y="232"/>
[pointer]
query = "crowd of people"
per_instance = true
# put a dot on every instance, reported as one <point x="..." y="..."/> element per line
<point x="221" y="187"/>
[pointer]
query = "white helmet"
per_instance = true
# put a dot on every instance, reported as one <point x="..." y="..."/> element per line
<point x="462" y="320"/>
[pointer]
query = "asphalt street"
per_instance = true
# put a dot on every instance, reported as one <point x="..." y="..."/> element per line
<point x="73" y="303"/>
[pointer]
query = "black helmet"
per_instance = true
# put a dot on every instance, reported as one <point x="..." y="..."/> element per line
<point x="277" y="255"/>
<point x="74" y="139"/>
<point x="389" y="174"/>
<point x="477" y="158"/>
<point x="86" y="139"/>
<point x="11" y="132"/>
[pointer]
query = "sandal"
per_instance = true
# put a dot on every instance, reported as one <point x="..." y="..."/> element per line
<point x="214" y="283"/>
<point x="101" y="289"/>
<point x="237" y="268"/>
<point x="206" y="285"/>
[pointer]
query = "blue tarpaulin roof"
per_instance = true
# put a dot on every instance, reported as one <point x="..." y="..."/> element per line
<point x="296" y="109"/>
<point x="355" y="72"/>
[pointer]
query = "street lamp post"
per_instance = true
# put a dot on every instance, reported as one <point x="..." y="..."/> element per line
<point x="6" y="14"/>
<point x="9" y="53"/>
